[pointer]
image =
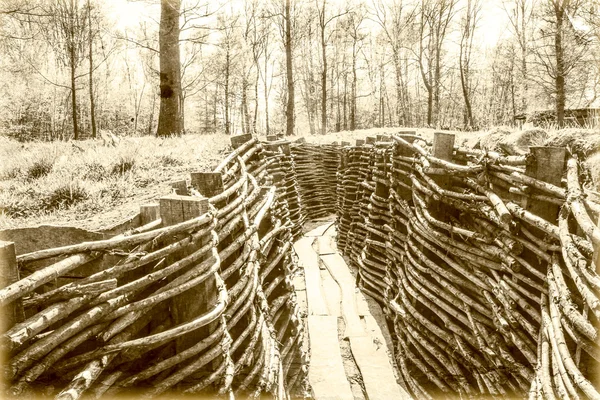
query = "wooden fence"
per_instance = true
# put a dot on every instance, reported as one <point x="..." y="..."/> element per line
<point x="484" y="264"/>
<point x="198" y="300"/>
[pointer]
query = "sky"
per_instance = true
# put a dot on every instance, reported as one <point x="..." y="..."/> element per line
<point x="492" y="27"/>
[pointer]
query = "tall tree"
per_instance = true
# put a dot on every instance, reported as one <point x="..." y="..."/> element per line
<point x="170" y="114"/>
<point x="71" y="23"/>
<point x="560" y="49"/>
<point x="289" y="73"/>
<point x="468" y="26"/>
<point x="434" y="22"/>
<point x="324" y="21"/>
<point x="395" y="20"/>
<point x="520" y="15"/>
<point x="91" y="70"/>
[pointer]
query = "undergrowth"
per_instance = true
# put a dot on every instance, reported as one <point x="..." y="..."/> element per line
<point x="58" y="182"/>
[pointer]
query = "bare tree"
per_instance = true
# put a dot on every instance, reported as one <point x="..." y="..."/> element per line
<point x="324" y="21"/>
<point x="170" y="115"/>
<point x="434" y="22"/>
<point x="468" y="26"/>
<point x="70" y="19"/>
<point x="560" y="49"/>
<point x="520" y="15"/>
<point x="395" y="20"/>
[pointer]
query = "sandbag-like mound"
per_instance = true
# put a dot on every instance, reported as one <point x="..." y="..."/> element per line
<point x="584" y="142"/>
<point x="512" y="142"/>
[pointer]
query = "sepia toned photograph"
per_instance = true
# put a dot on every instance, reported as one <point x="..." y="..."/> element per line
<point x="300" y="199"/>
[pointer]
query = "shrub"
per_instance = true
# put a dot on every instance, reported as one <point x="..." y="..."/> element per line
<point x="124" y="165"/>
<point x="167" y="160"/>
<point x="65" y="196"/>
<point x="94" y="171"/>
<point x="39" y="168"/>
<point x="10" y="173"/>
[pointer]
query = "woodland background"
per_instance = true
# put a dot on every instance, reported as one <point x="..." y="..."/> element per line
<point x="70" y="68"/>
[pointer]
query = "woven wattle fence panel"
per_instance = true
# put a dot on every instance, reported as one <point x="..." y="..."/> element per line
<point x="486" y="297"/>
<point x="199" y="301"/>
<point x="316" y="168"/>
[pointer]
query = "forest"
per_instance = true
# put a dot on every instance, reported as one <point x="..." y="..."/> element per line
<point x="73" y="68"/>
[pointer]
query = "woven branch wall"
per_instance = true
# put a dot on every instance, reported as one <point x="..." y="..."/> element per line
<point x="199" y="301"/>
<point x="485" y="273"/>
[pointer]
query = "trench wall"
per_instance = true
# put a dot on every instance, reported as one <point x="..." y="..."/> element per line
<point x="196" y="299"/>
<point x="483" y="263"/>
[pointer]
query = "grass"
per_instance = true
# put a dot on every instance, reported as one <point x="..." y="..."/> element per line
<point x="93" y="186"/>
<point x="59" y="183"/>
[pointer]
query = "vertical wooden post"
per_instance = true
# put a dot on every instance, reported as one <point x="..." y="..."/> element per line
<point x="149" y="212"/>
<point x="209" y="184"/>
<point x="238" y="140"/>
<point x="12" y="313"/>
<point x="443" y="148"/>
<point x="548" y="165"/>
<point x="180" y="187"/>
<point x="195" y="301"/>
<point x="596" y="258"/>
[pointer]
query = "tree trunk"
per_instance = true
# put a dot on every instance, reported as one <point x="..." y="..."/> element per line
<point x="227" y="66"/>
<point x="255" y="99"/>
<point x="353" y="91"/>
<point x="73" y="92"/>
<point x="345" y="103"/>
<point x="323" y="77"/>
<point x="91" y="43"/>
<point x="245" y="111"/>
<point x="267" y="129"/>
<point x="289" y="110"/>
<point x="560" y="66"/>
<point x="524" y="84"/>
<point x="170" y="115"/>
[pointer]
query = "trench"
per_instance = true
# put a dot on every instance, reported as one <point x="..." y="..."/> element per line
<point x="476" y="269"/>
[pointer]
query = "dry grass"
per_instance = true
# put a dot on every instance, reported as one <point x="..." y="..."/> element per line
<point x="56" y="183"/>
<point x="93" y="186"/>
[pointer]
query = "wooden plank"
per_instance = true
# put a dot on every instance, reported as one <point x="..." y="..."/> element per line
<point x="308" y="260"/>
<point x="333" y="297"/>
<point x="339" y="271"/>
<point x="324" y="246"/>
<point x="326" y="371"/>
<point x="319" y="230"/>
<point x="374" y="365"/>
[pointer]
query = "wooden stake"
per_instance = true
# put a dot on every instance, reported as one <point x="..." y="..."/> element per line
<point x="9" y="273"/>
<point x="237" y="141"/>
<point x="548" y="165"/>
<point x="443" y="148"/>
<point x="148" y="213"/>
<point x="180" y="187"/>
<point x="197" y="300"/>
<point x="209" y="184"/>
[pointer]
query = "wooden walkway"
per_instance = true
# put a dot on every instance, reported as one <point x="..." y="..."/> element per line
<point x="348" y="340"/>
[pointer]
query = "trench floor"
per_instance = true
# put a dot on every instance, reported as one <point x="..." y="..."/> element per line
<point x="348" y="339"/>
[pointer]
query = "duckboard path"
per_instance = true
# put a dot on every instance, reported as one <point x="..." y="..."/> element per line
<point x="348" y="339"/>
